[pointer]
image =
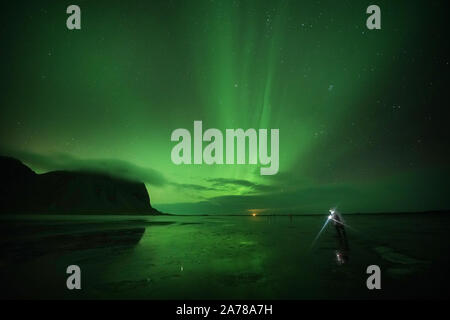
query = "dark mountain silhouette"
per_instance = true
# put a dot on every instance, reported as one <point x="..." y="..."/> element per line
<point x="63" y="192"/>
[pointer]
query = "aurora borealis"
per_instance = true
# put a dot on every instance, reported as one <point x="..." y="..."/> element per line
<point x="362" y="114"/>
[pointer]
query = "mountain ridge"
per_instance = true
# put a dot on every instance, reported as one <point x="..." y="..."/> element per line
<point x="69" y="192"/>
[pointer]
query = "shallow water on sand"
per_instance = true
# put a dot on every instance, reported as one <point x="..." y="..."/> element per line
<point x="218" y="257"/>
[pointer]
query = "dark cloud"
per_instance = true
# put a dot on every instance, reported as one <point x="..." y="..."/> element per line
<point x="287" y="198"/>
<point x="190" y="186"/>
<point x="113" y="167"/>
<point x="301" y="201"/>
<point x="221" y="183"/>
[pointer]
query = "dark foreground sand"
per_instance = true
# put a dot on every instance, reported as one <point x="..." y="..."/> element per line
<point x="170" y="257"/>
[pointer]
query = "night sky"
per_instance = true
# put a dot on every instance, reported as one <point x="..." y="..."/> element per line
<point x="363" y="114"/>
